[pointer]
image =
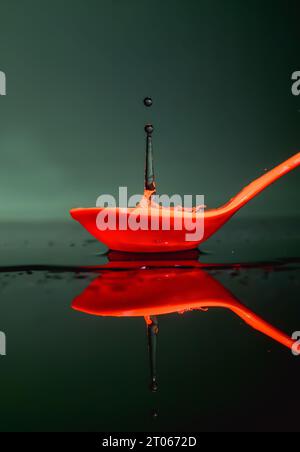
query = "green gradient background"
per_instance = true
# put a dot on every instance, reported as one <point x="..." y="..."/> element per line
<point x="71" y="125"/>
<point x="71" y="128"/>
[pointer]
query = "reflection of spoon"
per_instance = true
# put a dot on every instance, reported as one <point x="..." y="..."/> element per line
<point x="145" y="293"/>
<point x="151" y="288"/>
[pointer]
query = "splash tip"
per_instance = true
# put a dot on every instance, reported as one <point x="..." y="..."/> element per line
<point x="149" y="129"/>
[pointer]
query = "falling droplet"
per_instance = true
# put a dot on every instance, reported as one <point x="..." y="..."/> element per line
<point x="154" y="414"/>
<point x="148" y="102"/>
<point x="154" y="385"/>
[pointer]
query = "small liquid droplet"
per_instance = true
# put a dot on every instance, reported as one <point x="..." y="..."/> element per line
<point x="154" y="386"/>
<point x="149" y="129"/>
<point x="154" y="414"/>
<point x="148" y="102"/>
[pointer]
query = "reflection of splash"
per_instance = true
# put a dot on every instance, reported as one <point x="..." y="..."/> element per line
<point x="152" y="332"/>
<point x="149" y="292"/>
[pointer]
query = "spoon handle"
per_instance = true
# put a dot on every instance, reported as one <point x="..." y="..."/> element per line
<point x="258" y="185"/>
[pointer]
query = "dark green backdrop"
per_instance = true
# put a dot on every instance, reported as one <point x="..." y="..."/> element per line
<point x="71" y="128"/>
<point x="71" y="124"/>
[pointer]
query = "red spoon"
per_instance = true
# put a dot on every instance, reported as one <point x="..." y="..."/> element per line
<point x="173" y="240"/>
<point x="170" y="238"/>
